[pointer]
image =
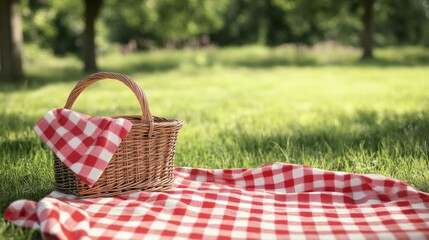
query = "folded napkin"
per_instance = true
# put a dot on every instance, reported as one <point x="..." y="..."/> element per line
<point x="275" y="201"/>
<point x="84" y="144"/>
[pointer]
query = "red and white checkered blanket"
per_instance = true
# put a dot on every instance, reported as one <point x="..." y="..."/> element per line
<point x="276" y="201"/>
<point x="84" y="144"/>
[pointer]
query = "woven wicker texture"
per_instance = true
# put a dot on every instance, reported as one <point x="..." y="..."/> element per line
<point x="144" y="161"/>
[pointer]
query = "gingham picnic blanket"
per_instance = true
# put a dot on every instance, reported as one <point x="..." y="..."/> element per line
<point x="276" y="201"/>
<point x="84" y="144"/>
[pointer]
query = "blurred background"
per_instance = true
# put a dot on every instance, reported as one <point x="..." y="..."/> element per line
<point x="89" y="29"/>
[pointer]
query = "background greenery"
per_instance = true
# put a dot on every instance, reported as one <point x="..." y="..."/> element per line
<point x="160" y="23"/>
<point x="242" y="107"/>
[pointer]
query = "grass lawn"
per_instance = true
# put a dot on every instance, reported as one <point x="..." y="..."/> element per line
<point x="242" y="107"/>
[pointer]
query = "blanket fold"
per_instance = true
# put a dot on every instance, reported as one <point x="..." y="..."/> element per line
<point x="274" y="201"/>
<point x="84" y="144"/>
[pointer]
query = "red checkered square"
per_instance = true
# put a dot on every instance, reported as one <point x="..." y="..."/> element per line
<point x="84" y="144"/>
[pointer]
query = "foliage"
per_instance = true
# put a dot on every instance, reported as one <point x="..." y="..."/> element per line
<point x="402" y="21"/>
<point x="52" y="24"/>
<point x="157" y="23"/>
<point x="162" y="21"/>
<point x="185" y="19"/>
<point x="129" y="19"/>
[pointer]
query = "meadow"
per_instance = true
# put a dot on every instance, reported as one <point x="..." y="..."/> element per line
<point x="242" y="107"/>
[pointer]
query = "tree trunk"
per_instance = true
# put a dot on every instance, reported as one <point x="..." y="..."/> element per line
<point x="92" y="8"/>
<point x="10" y="42"/>
<point x="368" y="28"/>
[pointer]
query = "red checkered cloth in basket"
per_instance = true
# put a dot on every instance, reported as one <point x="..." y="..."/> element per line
<point x="84" y="144"/>
<point x="276" y="201"/>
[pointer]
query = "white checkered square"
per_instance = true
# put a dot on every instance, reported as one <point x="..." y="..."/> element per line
<point x="90" y="128"/>
<point x="75" y="142"/>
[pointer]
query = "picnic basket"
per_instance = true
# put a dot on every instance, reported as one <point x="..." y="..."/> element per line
<point x="144" y="160"/>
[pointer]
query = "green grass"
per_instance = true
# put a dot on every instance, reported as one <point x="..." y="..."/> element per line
<point x="242" y="107"/>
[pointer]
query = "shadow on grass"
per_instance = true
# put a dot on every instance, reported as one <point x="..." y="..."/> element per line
<point x="22" y="176"/>
<point x="73" y="74"/>
<point x="148" y="63"/>
<point x="270" y="62"/>
<point x="144" y="65"/>
<point x="397" y="143"/>
<point x="365" y="131"/>
<point x="23" y="190"/>
<point x="407" y="60"/>
<point x="43" y="77"/>
<point x="414" y="60"/>
<point x="15" y="122"/>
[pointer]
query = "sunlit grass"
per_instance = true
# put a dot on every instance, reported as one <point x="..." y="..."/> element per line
<point x="242" y="107"/>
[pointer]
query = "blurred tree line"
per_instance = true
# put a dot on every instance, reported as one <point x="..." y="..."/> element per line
<point x="148" y="24"/>
<point x="158" y="23"/>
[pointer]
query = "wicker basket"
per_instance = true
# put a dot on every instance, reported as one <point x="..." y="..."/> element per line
<point x="144" y="161"/>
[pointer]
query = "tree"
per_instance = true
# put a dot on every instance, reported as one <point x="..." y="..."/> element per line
<point x="368" y="28"/>
<point x="51" y="25"/>
<point x="10" y="42"/>
<point x="180" y="20"/>
<point x="92" y="8"/>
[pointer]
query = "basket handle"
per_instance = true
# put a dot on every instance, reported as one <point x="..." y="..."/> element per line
<point x="137" y="90"/>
